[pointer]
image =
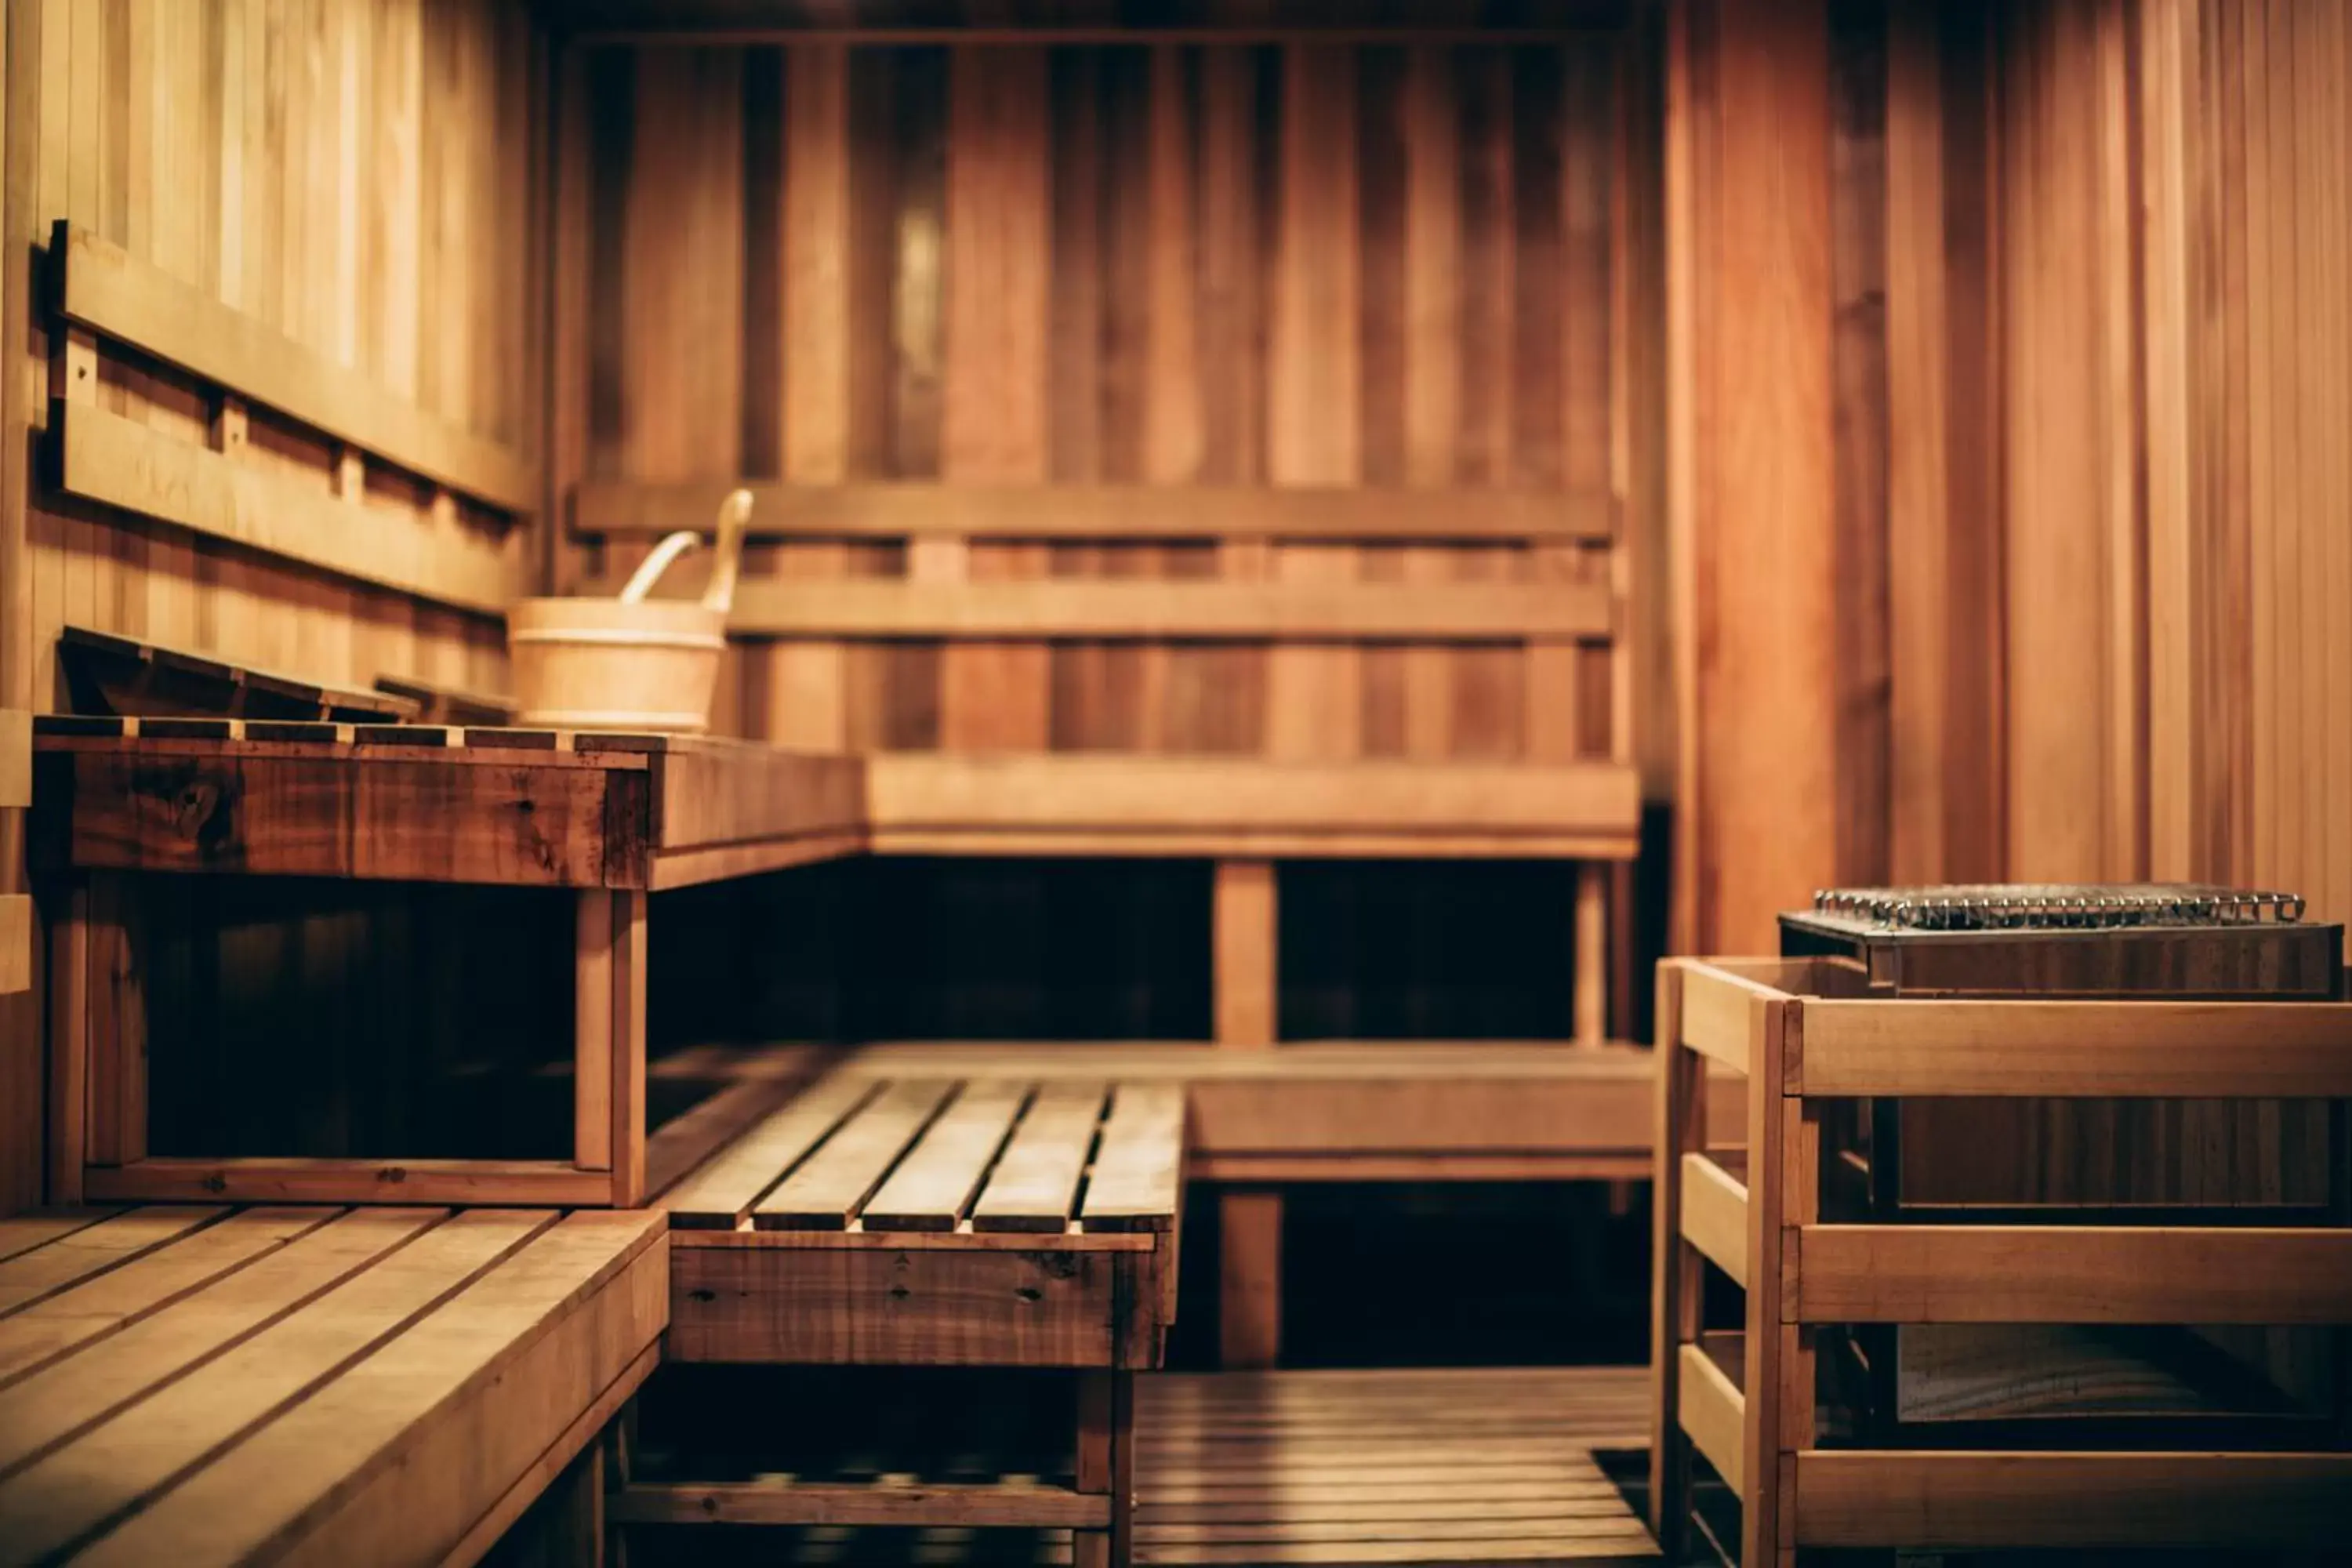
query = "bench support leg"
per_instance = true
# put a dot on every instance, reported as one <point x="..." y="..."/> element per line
<point x="1675" y="1299"/>
<point x="1248" y="969"/>
<point x="1589" y="969"/>
<point x="615" y="1453"/>
<point x="1107" y="1464"/>
<point x="609" y="1047"/>
<point x="1249" y="1279"/>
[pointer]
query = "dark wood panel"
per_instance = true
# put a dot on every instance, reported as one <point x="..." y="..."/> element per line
<point x="1379" y="267"/>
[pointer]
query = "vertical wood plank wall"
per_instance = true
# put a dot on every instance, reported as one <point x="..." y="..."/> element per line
<point x="2090" y="613"/>
<point x="1288" y="263"/>
<point x="1752" y="482"/>
<point x="357" y="174"/>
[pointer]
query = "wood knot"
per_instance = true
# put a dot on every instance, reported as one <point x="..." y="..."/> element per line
<point x="188" y="802"/>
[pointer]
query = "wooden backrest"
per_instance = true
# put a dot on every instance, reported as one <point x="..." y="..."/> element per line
<point x="1266" y="396"/>
<point x="1320" y="624"/>
<point x="294" y="456"/>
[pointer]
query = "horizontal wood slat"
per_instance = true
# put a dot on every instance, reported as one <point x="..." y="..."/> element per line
<point x="1714" y="1215"/>
<point x="1956" y="1501"/>
<point x="1137" y="1182"/>
<point x="1034" y="1186"/>
<point x="422" y="802"/>
<point x="1031" y="1505"/>
<point x="117" y="462"/>
<point x="116" y="296"/>
<point x="1110" y="513"/>
<point x="723" y="1191"/>
<point x="259" y="1179"/>
<point x="2186" y="1049"/>
<point x="410" y="814"/>
<point x="77" y="1255"/>
<point x="1127" y="610"/>
<point x="2070" y="1274"/>
<point x="831" y="1187"/>
<point x="1718" y="1014"/>
<point x="1714" y="1414"/>
<point x="910" y="795"/>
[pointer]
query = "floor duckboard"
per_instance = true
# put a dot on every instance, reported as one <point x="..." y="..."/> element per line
<point x="1324" y="1468"/>
<point x="1488" y="1465"/>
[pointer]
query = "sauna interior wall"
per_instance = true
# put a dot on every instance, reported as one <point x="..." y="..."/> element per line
<point x="2092" y="616"/>
<point x="2072" y="597"/>
<point x="1291" y="263"/>
<point x="355" y="173"/>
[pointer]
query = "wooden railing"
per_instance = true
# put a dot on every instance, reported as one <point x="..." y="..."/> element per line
<point x="104" y="295"/>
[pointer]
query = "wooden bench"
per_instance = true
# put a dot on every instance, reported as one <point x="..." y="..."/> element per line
<point x="1375" y="1111"/>
<point x="1246" y="674"/>
<point x="599" y="820"/>
<point x="926" y="1222"/>
<point x="212" y="1385"/>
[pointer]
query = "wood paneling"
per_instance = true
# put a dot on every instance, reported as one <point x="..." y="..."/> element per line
<point x="2093" y="565"/>
<point x="1352" y="269"/>
<point x="356" y="176"/>
<point x="1752" y="479"/>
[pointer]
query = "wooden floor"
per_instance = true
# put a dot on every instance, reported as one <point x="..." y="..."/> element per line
<point x="1398" y="1466"/>
<point x="208" y="1386"/>
<point x="1487" y="1465"/>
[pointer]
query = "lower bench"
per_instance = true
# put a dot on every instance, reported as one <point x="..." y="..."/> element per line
<point x="208" y="1385"/>
<point x="1355" y="1112"/>
<point x="928" y="1221"/>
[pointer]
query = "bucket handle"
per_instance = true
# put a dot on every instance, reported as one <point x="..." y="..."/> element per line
<point x="734" y="512"/>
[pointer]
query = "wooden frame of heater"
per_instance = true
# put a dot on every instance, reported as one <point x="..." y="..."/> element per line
<point x="1803" y="1035"/>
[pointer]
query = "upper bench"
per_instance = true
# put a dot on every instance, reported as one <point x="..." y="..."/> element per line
<point x="548" y="808"/>
<point x="433" y="804"/>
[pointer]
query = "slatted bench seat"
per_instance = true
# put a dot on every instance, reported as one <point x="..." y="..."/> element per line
<point x="212" y="1385"/>
<point x="920" y="1221"/>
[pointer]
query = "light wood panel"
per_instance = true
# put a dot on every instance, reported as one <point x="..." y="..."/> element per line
<point x="1226" y="314"/>
<point x="2108" y="570"/>
<point x="2094" y="537"/>
<point x="103" y="287"/>
<point x="353" y="177"/>
<point x="1752" y="483"/>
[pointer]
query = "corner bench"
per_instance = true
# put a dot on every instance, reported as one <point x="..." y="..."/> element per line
<point x="209" y="1386"/>
<point x="927" y="1221"/>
